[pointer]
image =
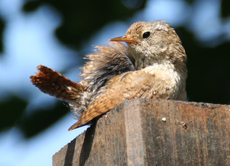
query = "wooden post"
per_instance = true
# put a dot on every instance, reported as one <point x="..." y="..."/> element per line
<point x="153" y="132"/>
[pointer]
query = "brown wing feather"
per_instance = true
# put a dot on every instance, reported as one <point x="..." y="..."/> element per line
<point x="133" y="85"/>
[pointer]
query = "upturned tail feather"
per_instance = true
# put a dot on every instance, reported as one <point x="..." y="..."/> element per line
<point x="55" y="84"/>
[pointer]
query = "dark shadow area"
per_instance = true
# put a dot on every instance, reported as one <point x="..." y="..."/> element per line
<point x="87" y="145"/>
<point x="70" y="153"/>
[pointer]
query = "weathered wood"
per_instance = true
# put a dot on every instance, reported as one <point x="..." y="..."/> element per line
<point x="134" y="134"/>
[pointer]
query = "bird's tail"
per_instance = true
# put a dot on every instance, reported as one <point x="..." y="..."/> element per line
<point x="55" y="84"/>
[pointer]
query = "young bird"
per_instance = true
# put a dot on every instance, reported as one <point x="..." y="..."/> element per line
<point x="152" y="65"/>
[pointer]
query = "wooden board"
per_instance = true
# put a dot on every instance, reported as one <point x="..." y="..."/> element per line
<point x="153" y="132"/>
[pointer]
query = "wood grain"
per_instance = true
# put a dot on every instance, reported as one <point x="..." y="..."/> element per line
<point x="134" y="134"/>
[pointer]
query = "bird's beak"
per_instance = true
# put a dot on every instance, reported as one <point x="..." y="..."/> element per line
<point x="124" y="38"/>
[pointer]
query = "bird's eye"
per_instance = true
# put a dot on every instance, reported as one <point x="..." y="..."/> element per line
<point x="146" y="34"/>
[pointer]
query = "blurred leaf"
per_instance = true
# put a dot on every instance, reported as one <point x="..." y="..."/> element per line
<point x="132" y="4"/>
<point x="31" y="6"/>
<point x="80" y="22"/>
<point x="37" y="121"/>
<point x="190" y="1"/>
<point x="83" y="18"/>
<point x="225" y="12"/>
<point x="11" y="110"/>
<point x="2" y="27"/>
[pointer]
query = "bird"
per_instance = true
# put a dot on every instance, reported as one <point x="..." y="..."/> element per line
<point x="149" y="61"/>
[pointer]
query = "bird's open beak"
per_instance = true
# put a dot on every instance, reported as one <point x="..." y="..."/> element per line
<point x="124" y="38"/>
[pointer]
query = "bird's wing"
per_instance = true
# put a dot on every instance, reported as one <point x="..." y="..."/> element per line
<point x="136" y="84"/>
<point x="107" y="62"/>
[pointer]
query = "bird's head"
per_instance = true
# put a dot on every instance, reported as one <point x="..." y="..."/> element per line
<point x="153" y="42"/>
